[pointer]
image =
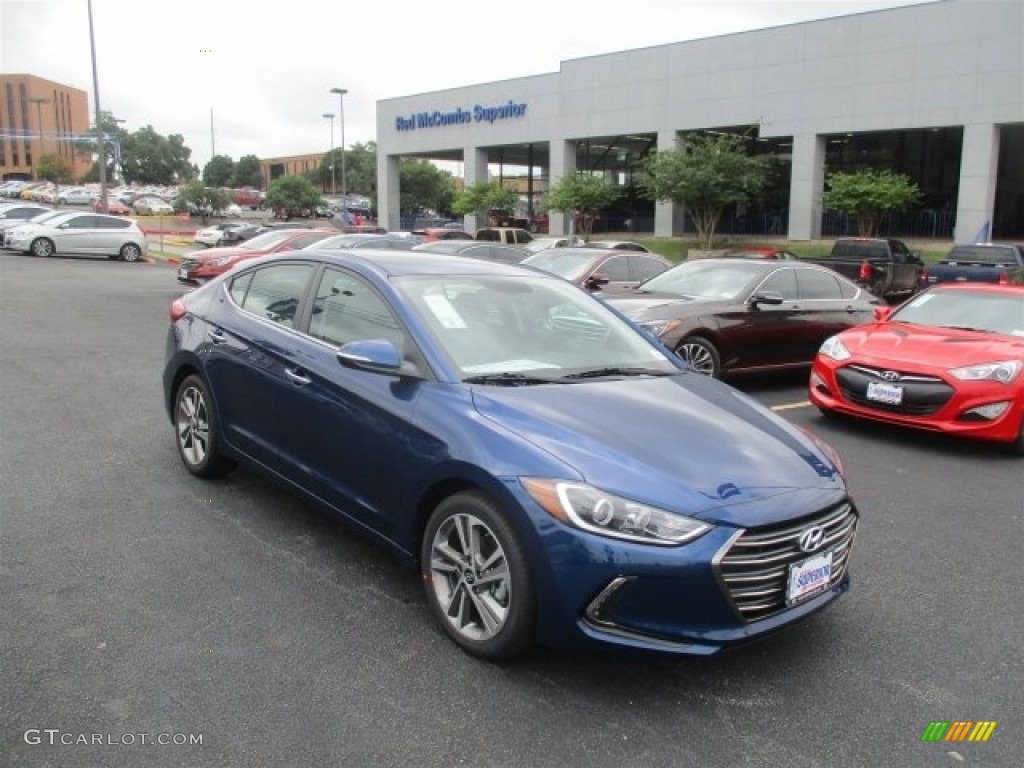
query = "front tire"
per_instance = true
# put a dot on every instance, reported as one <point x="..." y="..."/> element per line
<point x="197" y="430"/>
<point x="42" y="247"/>
<point x="701" y="355"/>
<point x="130" y="252"/>
<point x="477" y="578"/>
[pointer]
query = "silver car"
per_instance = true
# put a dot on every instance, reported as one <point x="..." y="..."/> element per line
<point x="80" y="233"/>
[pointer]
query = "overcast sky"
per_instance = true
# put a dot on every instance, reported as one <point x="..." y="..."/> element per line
<point x="266" y="69"/>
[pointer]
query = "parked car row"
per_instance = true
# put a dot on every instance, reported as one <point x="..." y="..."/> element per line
<point x="59" y="233"/>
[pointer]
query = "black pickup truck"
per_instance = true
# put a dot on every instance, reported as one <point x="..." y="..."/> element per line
<point x="979" y="263"/>
<point x="886" y="267"/>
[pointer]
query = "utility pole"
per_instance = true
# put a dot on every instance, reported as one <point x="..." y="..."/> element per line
<point x="100" y="139"/>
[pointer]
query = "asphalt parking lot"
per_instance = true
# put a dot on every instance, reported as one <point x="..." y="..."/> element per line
<point x="142" y="605"/>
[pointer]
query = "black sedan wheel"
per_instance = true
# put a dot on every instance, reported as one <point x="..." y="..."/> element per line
<point x="476" y="577"/>
<point x="196" y="429"/>
<point x="42" y="247"/>
<point x="701" y="355"/>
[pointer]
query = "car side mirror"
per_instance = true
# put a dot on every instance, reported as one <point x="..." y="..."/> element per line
<point x="882" y="313"/>
<point x="766" y="297"/>
<point x="596" y="280"/>
<point x="376" y="356"/>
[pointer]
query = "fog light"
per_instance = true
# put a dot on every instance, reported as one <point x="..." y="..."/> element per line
<point x="818" y="383"/>
<point x="990" y="412"/>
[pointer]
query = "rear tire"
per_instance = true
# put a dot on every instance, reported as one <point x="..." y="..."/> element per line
<point x="197" y="431"/>
<point x="130" y="252"/>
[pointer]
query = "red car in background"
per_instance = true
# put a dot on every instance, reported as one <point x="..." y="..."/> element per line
<point x="199" y="267"/>
<point x="951" y="359"/>
<point x="114" y="207"/>
<point x="759" y="252"/>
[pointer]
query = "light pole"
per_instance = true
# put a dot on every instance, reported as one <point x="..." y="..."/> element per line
<point x="334" y="187"/>
<point x="100" y="143"/>
<point x="341" y="118"/>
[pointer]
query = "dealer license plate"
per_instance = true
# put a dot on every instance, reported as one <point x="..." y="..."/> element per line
<point x="885" y="393"/>
<point x="809" y="577"/>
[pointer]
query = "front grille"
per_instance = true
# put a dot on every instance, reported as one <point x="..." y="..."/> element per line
<point x="923" y="395"/>
<point x="189" y="264"/>
<point x="754" y="570"/>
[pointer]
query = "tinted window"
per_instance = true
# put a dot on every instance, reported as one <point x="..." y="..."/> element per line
<point x="616" y="269"/>
<point x="347" y="309"/>
<point x="644" y="268"/>
<point x="109" y="222"/>
<point x="782" y="281"/>
<point x="275" y="292"/>
<point x="817" y="284"/>
<point x="81" y="222"/>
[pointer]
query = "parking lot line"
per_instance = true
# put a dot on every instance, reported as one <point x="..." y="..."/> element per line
<point x="791" y="406"/>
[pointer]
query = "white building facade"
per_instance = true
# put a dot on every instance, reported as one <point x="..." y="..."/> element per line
<point x="950" y="70"/>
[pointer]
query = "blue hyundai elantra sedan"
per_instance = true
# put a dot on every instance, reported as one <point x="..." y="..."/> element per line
<point x="556" y="475"/>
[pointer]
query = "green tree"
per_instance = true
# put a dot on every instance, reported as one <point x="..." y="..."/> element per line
<point x="361" y="170"/>
<point x="708" y="173"/>
<point x="197" y="197"/>
<point x="583" y="195"/>
<point x="424" y="185"/>
<point x="247" y="172"/>
<point x="481" y="198"/>
<point x="148" y="157"/>
<point x="54" y="168"/>
<point x="219" y="172"/>
<point x="290" y="195"/>
<point x="868" y="194"/>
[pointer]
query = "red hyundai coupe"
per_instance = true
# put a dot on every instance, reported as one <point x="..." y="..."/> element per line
<point x="951" y="359"/>
<point x="199" y="267"/>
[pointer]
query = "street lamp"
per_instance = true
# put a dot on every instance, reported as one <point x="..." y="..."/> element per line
<point x="101" y="147"/>
<point x="39" y="127"/>
<point x="334" y="187"/>
<point x="341" y="118"/>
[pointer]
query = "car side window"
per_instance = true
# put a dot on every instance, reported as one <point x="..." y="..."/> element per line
<point x="818" y="284"/>
<point x="644" y="268"/>
<point x="347" y="309"/>
<point x="275" y="292"/>
<point x="616" y="269"/>
<point x="81" y="222"/>
<point x="304" y="240"/>
<point x="109" y="222"/>
<point x="781" y="281"/>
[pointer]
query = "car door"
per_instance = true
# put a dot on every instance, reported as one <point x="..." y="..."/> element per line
<point x="76" y="234"/>
<point x="109" y="234"/>
<point x="767" y="335"/>
<point x="347" y="432"/>
<point x="252" y="344"/>
<point x="824" y="310"/>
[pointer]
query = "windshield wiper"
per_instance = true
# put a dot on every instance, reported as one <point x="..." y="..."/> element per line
<point x="597" y="373"/>
<point x="508" y="379"/>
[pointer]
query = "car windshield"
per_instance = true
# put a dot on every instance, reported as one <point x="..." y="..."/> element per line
<point x="444" y="246"/>
<point x="973" y="310"/>
<point x="339" y="242"/>
<point x="266" y="240"/>
<point x="705" y="279"/>
<point x="564" y="262"/>
<point x="526" y="329"/>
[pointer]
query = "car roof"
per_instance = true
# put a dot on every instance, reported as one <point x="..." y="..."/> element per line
<point x="391" y="263"/>
<point x="1007" y="288"/>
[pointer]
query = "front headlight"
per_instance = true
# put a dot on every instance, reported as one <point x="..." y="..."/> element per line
<point x="1004" y="372"/>
<point x="834" y="348"/>
<point x="606" y="514"/>
<point x="218" y="262"/>
<point x="658" y="327"/>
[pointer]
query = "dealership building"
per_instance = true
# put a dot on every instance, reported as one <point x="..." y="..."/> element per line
<point x="934" y="91"/>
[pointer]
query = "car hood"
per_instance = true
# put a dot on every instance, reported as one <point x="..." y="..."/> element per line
<point x="652" y="306"/>
<point x="902" y="344"/>
<point x="684" y="442"/>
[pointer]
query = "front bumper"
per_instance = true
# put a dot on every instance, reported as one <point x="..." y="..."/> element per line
<point x="933" y="402"/>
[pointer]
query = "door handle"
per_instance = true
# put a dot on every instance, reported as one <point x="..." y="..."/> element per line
<point x="216" y="335"/>
<point x="297" y="377"/>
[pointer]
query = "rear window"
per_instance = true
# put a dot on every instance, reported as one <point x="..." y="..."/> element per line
<point x="855" y="249"/>
<point x="968" y="254"/>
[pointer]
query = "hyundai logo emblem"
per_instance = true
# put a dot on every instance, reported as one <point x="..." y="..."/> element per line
<point x="890" y="375"/>
<point x="812" y="538"/>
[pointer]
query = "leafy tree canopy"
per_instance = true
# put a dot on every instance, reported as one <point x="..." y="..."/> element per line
<point x="219" y="172"/>
<point x="247" y="172"/>
<point x="424" y="185"/>
<point x="484" y="196"/>
<point x="197" y="197"/>
<point x="706" y="174"/>
<point x="585" y="194"/>
<point x="868" y="194"/>
<point x="291" y="195"/>
<point x="54" y="168"/>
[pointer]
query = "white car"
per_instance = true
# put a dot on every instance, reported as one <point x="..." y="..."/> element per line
<point x="80" y="233"/>
<point x="213" y="236"/>
<point x="74" y="196"/>
<point x="153" y="206"/>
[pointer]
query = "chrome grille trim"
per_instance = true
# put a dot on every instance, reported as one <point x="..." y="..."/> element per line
<point x="877" y="373"/>
<point x="752" y="567"/>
